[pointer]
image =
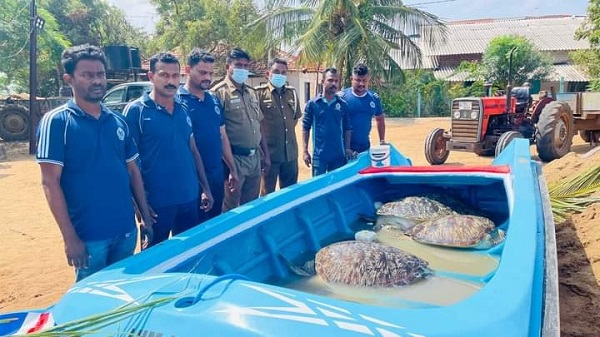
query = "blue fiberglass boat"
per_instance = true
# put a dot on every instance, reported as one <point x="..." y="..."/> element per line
<point x="231" y="275"/>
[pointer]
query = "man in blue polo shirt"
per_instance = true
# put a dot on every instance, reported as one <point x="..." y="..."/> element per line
<point x="363" y="104"/>
<point x="327" y="114"/>
<point x="208" y="124"/>
<point x="170" y="162"/>
<point x="87" y="158"/>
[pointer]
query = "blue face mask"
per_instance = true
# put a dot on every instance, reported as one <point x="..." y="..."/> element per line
<point x="278" y="80"/>
<point x="239" y="75"/>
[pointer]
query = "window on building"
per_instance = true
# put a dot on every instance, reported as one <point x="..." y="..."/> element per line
<point x="306" y="91"/>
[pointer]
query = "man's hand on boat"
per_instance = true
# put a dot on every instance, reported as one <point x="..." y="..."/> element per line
<point x="77" y="255"/>
<point x="307" y="159"/>
<point x="351" y="155"/>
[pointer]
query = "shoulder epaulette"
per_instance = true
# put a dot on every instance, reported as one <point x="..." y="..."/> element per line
<point x="217" y="85"/>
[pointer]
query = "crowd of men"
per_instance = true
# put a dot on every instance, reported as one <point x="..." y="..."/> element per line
<point x="185" y="153"/>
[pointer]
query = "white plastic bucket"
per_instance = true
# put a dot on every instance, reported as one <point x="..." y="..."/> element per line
<point x="380" y="155"/>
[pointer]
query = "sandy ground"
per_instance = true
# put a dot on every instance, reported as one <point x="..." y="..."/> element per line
<point x="34" y="272"/>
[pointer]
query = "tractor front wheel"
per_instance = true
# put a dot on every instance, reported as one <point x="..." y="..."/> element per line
<point x="505" y="139"/>
<point x="14" y="123"/>
<point x="435" y="147"/>
<point x="555" y="129"/>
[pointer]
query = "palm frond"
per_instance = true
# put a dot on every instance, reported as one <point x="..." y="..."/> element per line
<point x="92" y="324"/>
<point x="575" y="195"/>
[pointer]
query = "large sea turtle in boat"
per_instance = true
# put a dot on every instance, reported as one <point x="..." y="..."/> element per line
<point x="456" y="230"/>
<point x="367" y="264"/>
<point x="408" y="211"/>
<point x="411" y="210"/>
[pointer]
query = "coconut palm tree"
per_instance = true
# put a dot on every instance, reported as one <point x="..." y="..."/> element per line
<point x="344" y="32"/>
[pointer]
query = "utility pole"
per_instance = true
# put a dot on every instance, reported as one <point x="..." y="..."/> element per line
<point x="32" y="75"/>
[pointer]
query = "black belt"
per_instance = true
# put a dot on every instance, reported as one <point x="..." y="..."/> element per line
<point x="243" y="151"/>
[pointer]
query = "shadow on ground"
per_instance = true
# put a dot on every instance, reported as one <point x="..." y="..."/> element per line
<point x="578" y="286"/>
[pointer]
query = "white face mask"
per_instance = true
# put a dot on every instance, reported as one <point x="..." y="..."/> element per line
<point x="239" y="75"/>
<point x="278" y="80"/>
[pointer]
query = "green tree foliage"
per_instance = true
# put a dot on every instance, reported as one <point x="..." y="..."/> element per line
<point x="589" y="59"/>
<point x="344" y="32"/>
<point x="186" y="24"/>
<point x="95" y="22"/>
<point x="14" y="46"/>
<point x="527" y="62"/>
<point x="67" y="22"/>
<point x="401" y="98"/>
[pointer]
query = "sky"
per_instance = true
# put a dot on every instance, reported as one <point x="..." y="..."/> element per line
<point x="142" y="14"/>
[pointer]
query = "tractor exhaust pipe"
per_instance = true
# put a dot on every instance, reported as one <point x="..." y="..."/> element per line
<point x="508" y="84"/>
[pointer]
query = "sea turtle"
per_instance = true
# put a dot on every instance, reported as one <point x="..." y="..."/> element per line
<point x="408" y="211"/>
<point x="367" y="264"/>
<point x="457" y="230"/>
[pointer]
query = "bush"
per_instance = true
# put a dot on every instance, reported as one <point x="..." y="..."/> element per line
<point x="401" y="99"/>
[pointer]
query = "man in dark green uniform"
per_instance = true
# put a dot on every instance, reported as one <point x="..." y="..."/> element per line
<point x="281" y="108"/>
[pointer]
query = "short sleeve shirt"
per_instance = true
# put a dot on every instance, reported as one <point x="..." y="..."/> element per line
<point x="330" y="121"/>
<point x="361" y="109"/>
<point x="95" y="181"/>
<point x="207" y="118"/>
<point x="167" y="164"/>
<point x="242" y="113"/>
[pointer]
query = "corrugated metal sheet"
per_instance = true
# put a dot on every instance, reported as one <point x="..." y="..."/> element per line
<point x="569" y="73"/>
<point x="549" y="33"/>
<point x="449" y="74"/>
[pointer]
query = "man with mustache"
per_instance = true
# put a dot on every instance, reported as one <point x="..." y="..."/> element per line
<point x="208" y="124"/>
<point x="327" y="114"/>
<point x="242" y="123"/>
<point x="170" y="162"/>
<point x="89" y="175"/>
<point x="363" y="104"/>
<point x="280" y="105"/>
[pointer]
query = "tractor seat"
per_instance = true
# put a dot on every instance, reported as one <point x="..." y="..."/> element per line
<point x="523" y="98"/>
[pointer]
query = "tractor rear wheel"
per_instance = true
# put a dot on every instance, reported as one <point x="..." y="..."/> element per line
<point x="505" y="139"/>
<point x="585" y="135"/>
<point x="435" y="147"/>
<point x="14" y="122"/>
<point x="554" y="134"/>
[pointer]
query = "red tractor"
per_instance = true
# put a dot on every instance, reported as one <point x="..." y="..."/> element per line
<point x="486" y="125"/>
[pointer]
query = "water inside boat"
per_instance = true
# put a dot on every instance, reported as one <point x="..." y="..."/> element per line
<point x="294" y="231"/>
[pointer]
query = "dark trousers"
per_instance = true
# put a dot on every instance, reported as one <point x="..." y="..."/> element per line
<point x="320" y="166"/>
<point x="217" y="189"/>
<point x="174" y="220"/>
<point x="285" y="172"/>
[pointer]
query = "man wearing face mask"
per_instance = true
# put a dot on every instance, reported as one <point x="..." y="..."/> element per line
<point x="242" y="124"/>
<point x="280" y="105"/>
